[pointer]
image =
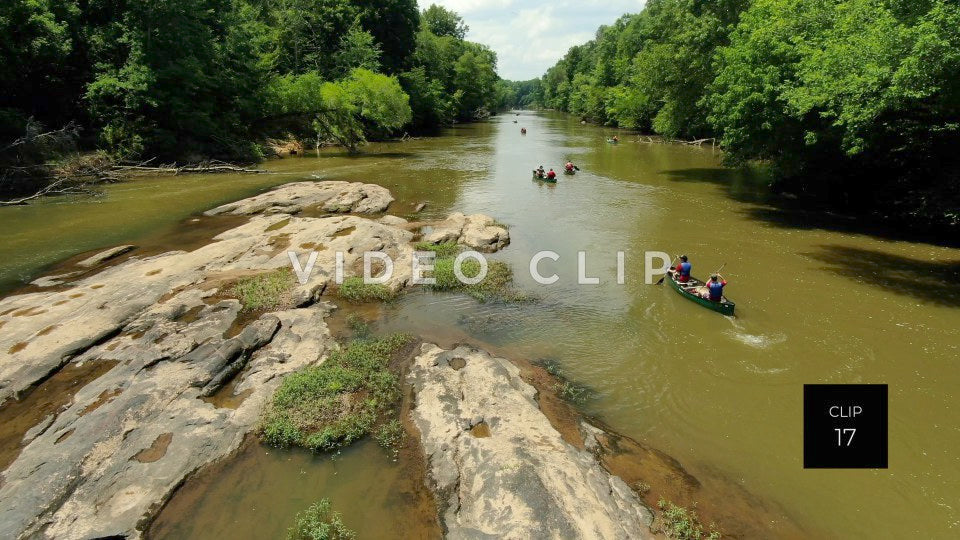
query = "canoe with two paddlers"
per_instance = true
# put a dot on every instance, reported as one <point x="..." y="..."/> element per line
<point x="691" y="290"/>
<point x="543" y="177"/>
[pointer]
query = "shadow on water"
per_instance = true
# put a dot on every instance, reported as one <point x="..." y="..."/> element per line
<point x="929" y="281"/>
<point x="744" y="185"/>
<point x="360" y="155"/>
<point x="751" y="185"/>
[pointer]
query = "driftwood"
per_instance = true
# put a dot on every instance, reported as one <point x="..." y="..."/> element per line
<point x="57" y="187"/>
<point x="83" y="178"/>
<point x="697" y="142"/>
<point x="67" y="133"/>
<point x="209" y="167"/>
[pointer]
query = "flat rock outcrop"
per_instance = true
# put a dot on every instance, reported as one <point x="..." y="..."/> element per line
<point x="497" y="465"/>
<point x="334" y="197"/>
<point x="476" y="231"/>
<point x="186" y="372"/>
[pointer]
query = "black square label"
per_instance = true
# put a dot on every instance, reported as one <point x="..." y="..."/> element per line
<point x="845" y="426"/>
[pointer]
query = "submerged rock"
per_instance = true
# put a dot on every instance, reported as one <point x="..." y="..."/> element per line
<point x="477" y="231"/>
<point x="105" y="255"/>
<point x="341" y="197"/>
<point x="498" y="466"/>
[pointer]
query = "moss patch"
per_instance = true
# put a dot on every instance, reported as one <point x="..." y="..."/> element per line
<point x="331" y="405"/>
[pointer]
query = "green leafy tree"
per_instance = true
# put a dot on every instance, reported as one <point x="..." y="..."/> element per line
<point x="35" y="43"/>
<point x="358" y="49"/>
<point x="345" y="111"/>
<point x="443" y="22"/>
<point x="394" y="24"/>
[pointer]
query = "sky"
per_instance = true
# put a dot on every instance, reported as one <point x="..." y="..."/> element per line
<point x="529" y="36"/>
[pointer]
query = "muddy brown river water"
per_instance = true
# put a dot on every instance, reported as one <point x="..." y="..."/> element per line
<point x="819" y="300"/>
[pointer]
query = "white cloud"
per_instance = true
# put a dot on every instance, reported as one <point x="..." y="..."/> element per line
<point x="530" y="36"/>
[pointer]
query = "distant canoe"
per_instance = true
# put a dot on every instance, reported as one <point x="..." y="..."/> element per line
<point x="688" y="290"/>
<point x="569" y="173"/>
<point x="611" y="141"/>
<point x="543" y="178"/>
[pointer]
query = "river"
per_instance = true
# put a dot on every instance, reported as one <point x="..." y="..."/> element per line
<point x="817" y="302"/>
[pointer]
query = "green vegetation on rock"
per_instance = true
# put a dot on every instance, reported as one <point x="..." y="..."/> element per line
<point x="496" y="285"/>
<point x="683" y="523"/>
<point x="265" y="291"/>
<point x="337" y="402"/>
<point x="353" y="289"/>
<point x="319" y="522"/>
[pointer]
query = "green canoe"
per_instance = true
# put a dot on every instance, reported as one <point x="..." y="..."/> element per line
<point x="688" y="290"/>
<point x="543" y="178"/>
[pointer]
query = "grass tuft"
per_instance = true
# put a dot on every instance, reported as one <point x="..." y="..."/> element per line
<point x="390" y="437"/>
<point x="353" y="289"/>
<point x="332" y="405"/>
<point x="683" y="523"/>
<point x="264" y="291"/>
<point x="497" y="285"/>
<point x="319" y="522"/>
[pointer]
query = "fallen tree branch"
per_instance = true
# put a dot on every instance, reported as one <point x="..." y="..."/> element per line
<point x="71" y="130"/>
<point x="52" y="189"/>
<point x="81" y="176"/>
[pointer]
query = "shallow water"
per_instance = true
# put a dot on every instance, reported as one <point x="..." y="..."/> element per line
<point x="817" y="302"/>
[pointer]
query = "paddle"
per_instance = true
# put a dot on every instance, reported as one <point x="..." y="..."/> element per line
<point x="665" y="276"/>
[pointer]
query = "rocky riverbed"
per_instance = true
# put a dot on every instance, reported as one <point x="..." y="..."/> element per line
<point x="172" y="340"/>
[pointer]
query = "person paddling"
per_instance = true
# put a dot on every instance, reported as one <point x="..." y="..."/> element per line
<point x="713" y="291"/>
<point x="569" y="166"/>
<point x="683" y="269"/>
<point x="551" y="175"/>
<point x="523" y="131"/>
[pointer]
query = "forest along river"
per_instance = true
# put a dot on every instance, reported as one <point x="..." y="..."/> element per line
<point x="817" y="302"/>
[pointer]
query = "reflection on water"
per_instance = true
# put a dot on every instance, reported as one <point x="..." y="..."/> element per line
<point x="816" y="304"/>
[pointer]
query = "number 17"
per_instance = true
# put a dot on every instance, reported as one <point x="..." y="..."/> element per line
<point x="842" y="432"/>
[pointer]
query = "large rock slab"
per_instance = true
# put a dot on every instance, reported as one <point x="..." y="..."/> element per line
<point x="43" y="330"/>
<point x="130" y="437"/>
<point x="330" y="196"/>
<point x="476" y="231"/>
<point x="499" y="468"/>
<point x="172" y="341"/>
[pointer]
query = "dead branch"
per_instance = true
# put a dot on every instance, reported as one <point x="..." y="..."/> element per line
<point x="71" y="130"/>
<point x="55" y="188"/>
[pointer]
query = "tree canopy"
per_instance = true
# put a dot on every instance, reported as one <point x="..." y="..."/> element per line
<point x="852" y="101"/>
<point x="192" y="79"/>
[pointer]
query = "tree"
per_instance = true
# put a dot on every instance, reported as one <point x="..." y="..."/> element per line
<point x="855" y="100"/>
<point x="443" y="22"/>
<point x="35" y="43"/>
<point x="345" y="111"/>
<point x="181" y="79"/>
<point x="358" y="49"/>
<point x="475" y="76"/>
<point x="394" y="24"/>
<point x="306" y="34"/>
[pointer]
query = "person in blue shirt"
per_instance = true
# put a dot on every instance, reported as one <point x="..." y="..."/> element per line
<point x="713" y="290"/>
<point x="683" y="269"/>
